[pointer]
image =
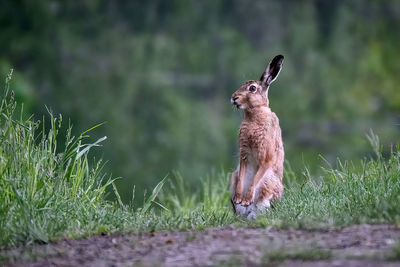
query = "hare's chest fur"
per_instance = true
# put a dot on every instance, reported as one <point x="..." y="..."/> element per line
<point x="257" y="136"/>
<point x="256" y="140"/>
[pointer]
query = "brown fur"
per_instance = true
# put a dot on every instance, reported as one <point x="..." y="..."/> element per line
<point x="260" y="143"/>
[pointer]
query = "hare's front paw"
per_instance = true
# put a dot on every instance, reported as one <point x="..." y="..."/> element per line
<point x="249" y="197"/>
<point x="237" y="198"/>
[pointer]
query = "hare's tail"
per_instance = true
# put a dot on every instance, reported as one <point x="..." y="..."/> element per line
<point x="245" y="210"/>
<point x="251" y="211"/>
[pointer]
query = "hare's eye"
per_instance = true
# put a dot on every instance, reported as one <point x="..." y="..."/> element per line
<point x="252" y="88"/>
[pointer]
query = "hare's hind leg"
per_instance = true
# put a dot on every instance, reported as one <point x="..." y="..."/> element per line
<point x="232" y="188"/>
<point x="270" y="188"/>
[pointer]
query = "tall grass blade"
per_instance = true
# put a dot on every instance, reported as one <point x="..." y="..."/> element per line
<point x="154" y="194"/>
<point x="89" y="146"/>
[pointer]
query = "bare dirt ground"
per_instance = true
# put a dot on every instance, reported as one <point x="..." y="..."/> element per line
<point x="362" y="245"/>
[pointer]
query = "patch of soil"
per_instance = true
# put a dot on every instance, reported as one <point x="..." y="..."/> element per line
<point x="362" y="245"/>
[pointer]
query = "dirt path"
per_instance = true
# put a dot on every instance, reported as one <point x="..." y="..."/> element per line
<point x="364" y="245"/>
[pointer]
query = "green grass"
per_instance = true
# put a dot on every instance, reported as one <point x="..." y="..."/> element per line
<point x="394" y="254"/>
<point x="276" y="256"/>
<point x="48" y="193"/>
<point x="347" y="195"/>
<point x="310" y="254"/>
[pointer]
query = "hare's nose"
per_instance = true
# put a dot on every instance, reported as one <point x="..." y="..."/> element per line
<point x="233" y="99"/>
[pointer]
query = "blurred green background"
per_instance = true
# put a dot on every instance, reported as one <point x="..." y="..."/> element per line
<point x="161" y="73"/>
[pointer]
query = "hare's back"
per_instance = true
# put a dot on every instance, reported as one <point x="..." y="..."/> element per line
<point x="276" y="145"/>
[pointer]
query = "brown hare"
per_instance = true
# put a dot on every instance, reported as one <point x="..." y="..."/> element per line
<point x="258" y="177"/>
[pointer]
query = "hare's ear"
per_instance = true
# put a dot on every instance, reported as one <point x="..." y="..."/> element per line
<point x="271" y="72"/>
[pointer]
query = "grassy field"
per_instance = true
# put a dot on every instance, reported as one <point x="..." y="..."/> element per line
<point x="50" y="189"/>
